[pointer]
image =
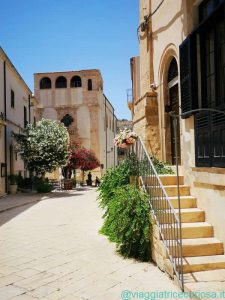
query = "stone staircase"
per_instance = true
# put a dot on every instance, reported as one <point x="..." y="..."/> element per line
<point x="201" y="250"/>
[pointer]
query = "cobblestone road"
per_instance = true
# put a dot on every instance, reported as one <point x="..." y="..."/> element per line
<point x="52" y="250"/>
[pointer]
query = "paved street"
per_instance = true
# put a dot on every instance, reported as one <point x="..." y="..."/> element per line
<point x="51" y="249"/>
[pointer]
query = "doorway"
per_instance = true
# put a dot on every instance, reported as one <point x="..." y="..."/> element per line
<point x="173" y="101"/>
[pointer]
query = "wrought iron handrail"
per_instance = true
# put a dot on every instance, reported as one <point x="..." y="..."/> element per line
<point x="166" y="217"/>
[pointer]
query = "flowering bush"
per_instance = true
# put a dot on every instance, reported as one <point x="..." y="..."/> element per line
<point x="43" y="146"/>
<point x="125" y="138"/>
<point x="82" y="158"/>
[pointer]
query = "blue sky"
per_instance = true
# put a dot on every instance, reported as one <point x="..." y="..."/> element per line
<point x="64" y="35"/>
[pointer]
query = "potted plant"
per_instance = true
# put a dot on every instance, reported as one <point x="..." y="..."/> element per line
<point x="125" y="138"/>
<point x="13" y="183"/>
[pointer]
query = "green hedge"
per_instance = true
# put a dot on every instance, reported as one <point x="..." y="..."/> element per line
<point x="128" y="222"/>
<point x="114" y="178"/>
<point x="127" y="218"/>
<point x="44" y="187"/>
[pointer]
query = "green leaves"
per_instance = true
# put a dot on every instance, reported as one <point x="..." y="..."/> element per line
<point x="44" y="146"/>
<point x="127" y="222"/>
<point x="114" y="178"/>
<point x="160" y="167"/>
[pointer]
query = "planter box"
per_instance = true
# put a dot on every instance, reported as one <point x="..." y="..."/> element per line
<point x="13" y="188"/>
<point x="67" y="184"/>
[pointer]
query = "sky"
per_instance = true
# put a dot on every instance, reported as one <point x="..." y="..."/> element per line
<point x="65" y="35"/>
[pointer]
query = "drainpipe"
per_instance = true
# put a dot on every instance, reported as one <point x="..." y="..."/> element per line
<point x="5" y="129"/>
<point x="29" y="105"/>
<point x="105" y="139"/>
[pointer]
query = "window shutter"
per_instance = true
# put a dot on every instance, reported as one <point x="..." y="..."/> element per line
<point x="218" y="139"/>
<point x="210" y="139"/>
<point x="188" y="75"/>
<point x="203" y="149"/>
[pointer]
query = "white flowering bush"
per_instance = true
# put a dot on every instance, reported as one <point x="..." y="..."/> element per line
<point x="125" y="138"/>
<point x="43" y="146"/>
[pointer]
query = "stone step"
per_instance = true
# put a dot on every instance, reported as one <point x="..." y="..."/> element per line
<point x="185" y="202"/>
<point x="199" y="247"/>
<point x="188" y="215"/>
<point x="191" y="230"/>
<point x="171" y="179"/>
<point x="203" y="263"/>
<point x="172" y="190"/>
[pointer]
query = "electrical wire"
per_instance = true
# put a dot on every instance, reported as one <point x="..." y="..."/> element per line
<point x="148" y="18"/>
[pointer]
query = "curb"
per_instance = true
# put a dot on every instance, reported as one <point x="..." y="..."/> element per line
<point x="25" y="203"/>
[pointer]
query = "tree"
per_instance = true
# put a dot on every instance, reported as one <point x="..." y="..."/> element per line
<point x="82" y="158"/>
<point x="43" y="146"/>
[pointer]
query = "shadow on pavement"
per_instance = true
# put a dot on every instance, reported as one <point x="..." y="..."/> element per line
<point x="13" y="205"/>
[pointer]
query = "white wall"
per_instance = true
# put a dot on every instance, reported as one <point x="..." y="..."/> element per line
<point x="2" y="150"/>
<point x="107" y="132"/>
<point x="15" y="116"/>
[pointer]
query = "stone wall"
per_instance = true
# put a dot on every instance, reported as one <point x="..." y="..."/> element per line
<point x="146" y="122"/>
<point x="159" y="253"/>
<point x="90" y="110"/>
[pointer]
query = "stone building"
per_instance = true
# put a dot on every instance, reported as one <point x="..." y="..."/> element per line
<point x="16" y="110"/>
<point x="181" y="69"/>
<point x="76" y="98"/>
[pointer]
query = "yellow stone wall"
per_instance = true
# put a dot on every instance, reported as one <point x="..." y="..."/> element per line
<point x="167" y="28"/>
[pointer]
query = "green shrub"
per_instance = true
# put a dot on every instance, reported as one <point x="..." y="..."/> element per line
<point x="140" y="168"/>
<point x="13" y="178"/>
<point x="160" y="167"/>
<point x="113" y="178"/>
<point x="44" y="187"/>
<point x="134" y="166"/>
<point x="128" y="222"/>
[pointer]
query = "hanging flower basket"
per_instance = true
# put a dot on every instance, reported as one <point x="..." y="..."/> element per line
<point x="125" y="138"/>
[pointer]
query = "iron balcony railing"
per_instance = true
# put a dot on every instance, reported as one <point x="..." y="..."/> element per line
<point x="166" y="217"/>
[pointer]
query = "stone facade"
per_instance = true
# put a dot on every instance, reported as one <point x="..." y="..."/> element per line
<point x="160" y="38"/>
<point x="80" y="97"/>
<point x="17" y="106"/>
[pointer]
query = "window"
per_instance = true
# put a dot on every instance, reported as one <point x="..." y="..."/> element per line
<point x="207" y="7"/>
<point x="188" y="75"/>
<point x="89" y="85"/>
<point x="12" y="99"/>
<point x="210" y="126"/>
<point x="25" y="116"/>
<point x="76" y="81"/>
<point x="61" y="82"/>
<point x="45" y="83"/>
<point x="106" y="121"/>
<point x="173" y="70"/>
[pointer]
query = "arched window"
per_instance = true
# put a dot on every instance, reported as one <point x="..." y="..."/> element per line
<point x="76" y="81"/>
<point x="89" y="85"/>
<point x="61" y="82"/>
<point x="45" y="83"/>
<point x="173" y="70"/>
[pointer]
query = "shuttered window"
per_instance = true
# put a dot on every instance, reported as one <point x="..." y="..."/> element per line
<point x="210" y="126"/>
<point x="188" y="75"/>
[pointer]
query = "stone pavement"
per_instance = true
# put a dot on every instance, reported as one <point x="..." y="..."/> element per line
<point x="12" y="201"/>
<point x="51" y="249"/>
